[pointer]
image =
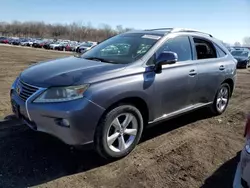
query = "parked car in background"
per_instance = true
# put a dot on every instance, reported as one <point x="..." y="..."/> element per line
<point x="47" y="45"/>
<point x="4" y="40"/>
<point x="61" y="46"/>
<point x="242" y="175"/>
<point x="11" y="40"/>
<point x="72" y="46"/>
<point x="38" y="43"/>
<point x="16" y="41"/>
<point x="27" y="42"/>
<point x="85" y="47"/>
<point x="54" y="45"/>
<point x="109" y="98"/>
<point x="243" y="58"/>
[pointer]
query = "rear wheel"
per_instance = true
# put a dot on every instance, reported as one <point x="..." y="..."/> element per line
<point x="221" y="99"/>
<point x="118" y="132"/>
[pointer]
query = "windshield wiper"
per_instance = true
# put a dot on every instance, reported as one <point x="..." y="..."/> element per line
<point x="99" y="59"/>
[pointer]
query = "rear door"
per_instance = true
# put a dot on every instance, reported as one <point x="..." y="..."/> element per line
<point x="211" y="67"/>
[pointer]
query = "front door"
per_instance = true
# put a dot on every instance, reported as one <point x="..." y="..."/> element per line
<point x="175" y="84"/>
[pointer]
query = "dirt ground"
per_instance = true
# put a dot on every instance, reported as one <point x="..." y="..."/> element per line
<point x="195" y="150"/>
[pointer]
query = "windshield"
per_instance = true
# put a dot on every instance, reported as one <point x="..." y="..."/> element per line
<point x="240" y="53"/>
<point x="122" y="49"/>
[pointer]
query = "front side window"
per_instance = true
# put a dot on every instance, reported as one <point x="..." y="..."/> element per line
<point x="122" y="49"/>
<point x="180" y="45"/>
<point x="204" y="49"/>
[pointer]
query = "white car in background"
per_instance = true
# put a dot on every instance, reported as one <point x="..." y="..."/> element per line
<point x="85" y="46"/>
<point x="242" y="175"/>
<point x="54" y="45"/>
<point x="27" y="43"/>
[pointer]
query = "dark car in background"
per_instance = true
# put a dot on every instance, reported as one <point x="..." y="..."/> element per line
<point x="16" y="42"/>
<point x="47" y="45"/>
<point x="38" y="43"/>
<point x="243" y="58"/>
<point x="109" y="94"/>
<point x="62" y="46"/>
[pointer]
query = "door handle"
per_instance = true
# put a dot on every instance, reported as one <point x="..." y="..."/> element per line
<point x="222" y="67"/>
<point x="192" y="72"/>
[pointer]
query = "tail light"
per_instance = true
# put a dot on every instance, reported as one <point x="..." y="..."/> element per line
<point x="247" y="128"/>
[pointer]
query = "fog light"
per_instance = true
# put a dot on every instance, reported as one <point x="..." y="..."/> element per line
<point x="247" y="148"/>
<point x="62" y="122"/>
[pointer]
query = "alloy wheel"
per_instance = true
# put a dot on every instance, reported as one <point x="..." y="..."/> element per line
<point x="122" y="132"/>
<point x="222" y="99"/>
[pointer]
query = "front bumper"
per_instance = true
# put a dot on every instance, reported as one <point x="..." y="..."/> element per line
<point x="242" y="175"/>
<point x="82" y="115"/>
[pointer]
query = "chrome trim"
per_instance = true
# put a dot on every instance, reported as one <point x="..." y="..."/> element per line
<point x="96" y="104"/>
<point x="29" y="98"/>
<point x="28" y="84"/>
<point x="178" y="112"/>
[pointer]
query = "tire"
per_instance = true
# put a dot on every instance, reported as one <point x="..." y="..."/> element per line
<point x="107" y="129"/>
<point x="215" y="108"/>
<point x="247" y="65"/>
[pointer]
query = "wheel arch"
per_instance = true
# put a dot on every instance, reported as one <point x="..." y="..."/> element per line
<point x="230" y="82"/>
<point x="138" y="102"/>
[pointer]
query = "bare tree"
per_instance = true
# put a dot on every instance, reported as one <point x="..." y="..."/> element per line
<point x="237" y="44"/>
<point x="246" y="41"/>
<point x="79" y="31"/>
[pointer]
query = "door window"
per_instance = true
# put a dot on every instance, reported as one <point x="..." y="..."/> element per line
<point x="220" y="52"/>
<point x="180" y="45"/>
<point x="204" y="49"/>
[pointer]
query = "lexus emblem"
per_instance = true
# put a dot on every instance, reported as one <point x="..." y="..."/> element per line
<point x="18" y="89"/>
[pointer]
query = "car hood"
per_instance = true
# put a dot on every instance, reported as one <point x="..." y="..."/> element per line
<point x="66" y="71"/>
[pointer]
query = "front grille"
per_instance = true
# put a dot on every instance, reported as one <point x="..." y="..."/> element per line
<point x="24" y="90"/>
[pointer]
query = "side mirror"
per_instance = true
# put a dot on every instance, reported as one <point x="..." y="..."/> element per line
<point x="166" y="57"/>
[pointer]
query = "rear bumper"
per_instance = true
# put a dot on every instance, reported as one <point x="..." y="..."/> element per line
<point x="82" y="115"/>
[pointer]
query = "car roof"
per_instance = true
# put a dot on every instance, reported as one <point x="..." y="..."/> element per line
<point x="165" y="31"/>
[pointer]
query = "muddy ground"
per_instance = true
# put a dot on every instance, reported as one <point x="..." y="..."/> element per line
<point x="195" y="150"/>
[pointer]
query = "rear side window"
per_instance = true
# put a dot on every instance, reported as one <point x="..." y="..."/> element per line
<point x="220" y="52"/>
<point x="204" y="49"/>
<point x="180" y="45"/>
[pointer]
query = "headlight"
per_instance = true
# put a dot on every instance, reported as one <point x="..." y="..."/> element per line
<point x="61" y="94"/>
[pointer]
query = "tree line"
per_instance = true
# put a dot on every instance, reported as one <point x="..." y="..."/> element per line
<point x="76" y="31"/>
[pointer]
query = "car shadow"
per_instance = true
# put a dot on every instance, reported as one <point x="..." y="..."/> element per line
<point x="29" y="158"/>
<point x="224" y="175"/>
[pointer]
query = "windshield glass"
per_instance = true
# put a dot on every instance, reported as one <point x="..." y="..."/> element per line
<point x="122" y="49"/>
<point x="240" y="53"/>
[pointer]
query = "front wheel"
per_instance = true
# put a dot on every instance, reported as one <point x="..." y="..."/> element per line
<point x="118" y="132"/>
<point x="221" y="99"/>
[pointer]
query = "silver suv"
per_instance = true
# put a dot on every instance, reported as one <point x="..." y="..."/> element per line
<point x="108" y="95"/>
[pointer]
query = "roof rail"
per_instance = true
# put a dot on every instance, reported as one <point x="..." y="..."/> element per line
<point x="188" y="30"/>
<point x="173" y="30"/>
<point x="160" y="29"/>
